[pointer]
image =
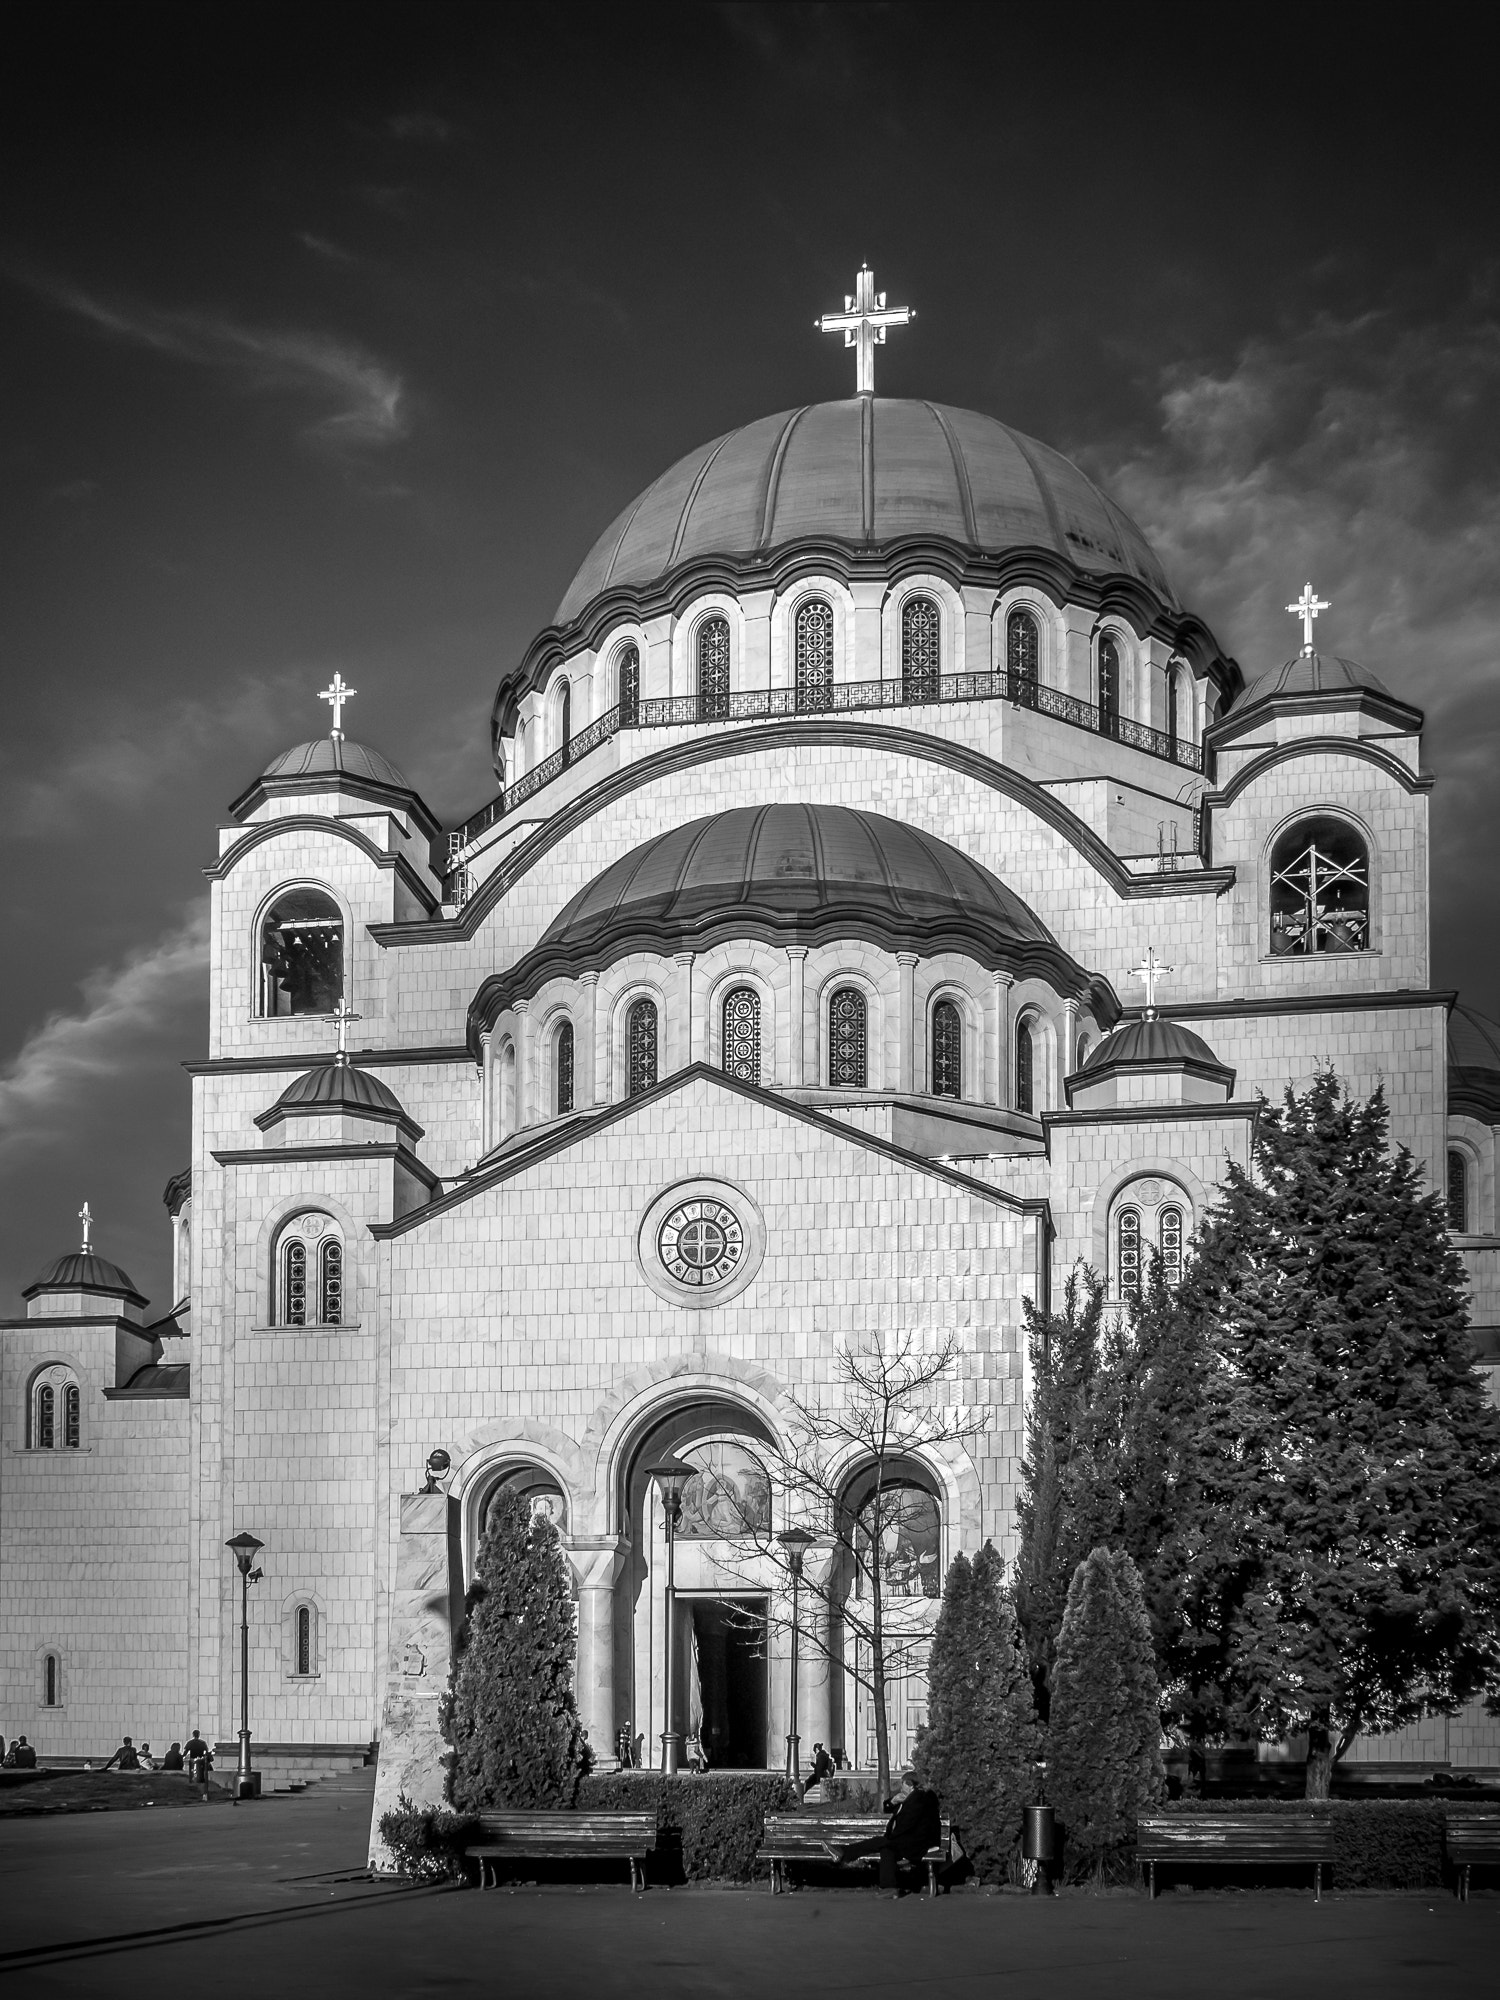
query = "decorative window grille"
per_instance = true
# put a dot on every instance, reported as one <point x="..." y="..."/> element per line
<point x="50" y="1678"/>
<point x="921" y="660"/>
<point x="331" y="1283"/>
<point x="713" y="669"/>
<point x="71" y="1415"/>
<point x="630" y="684"/>
<point x="565" y="719"/>
<point x="1458" y="1194"/>
<point x="847" y="1039"/>
<point x="1169" y="1243"/>
<point x="295" y="1262"/>
<point x="1025" y="1069"/>
<point x="1128" y="1234"/>
<point x="1320" y="889"/>
<point x="947" y="1050"/>
<point x="814" y="649"/>
<point x="640" y="1035"/>
<point x="304" y="1639"/>
<point x="1109" y="686"/>
<point x="741" y="1034"/>
<point x="562" y="1062"/>
<point x="1022" y="657"/>
<point x="46" y="1418"/>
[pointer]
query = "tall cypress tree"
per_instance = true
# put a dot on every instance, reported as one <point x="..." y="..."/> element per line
<point x="510" y="1714"/>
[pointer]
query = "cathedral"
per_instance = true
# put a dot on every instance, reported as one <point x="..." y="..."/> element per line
<point x="891" y="896"/>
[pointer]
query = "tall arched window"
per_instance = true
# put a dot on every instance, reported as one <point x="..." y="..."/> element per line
<point x="302" y="1641"/>
<point x="1022" y="657"/>
<point x="1128" y="1252"/>
<point x="1109" y="685"/>
<point x="630" y="683"/>
<point x="1458" y="1193"/>
<point x="44" y="1430"/>
<point x="640" y="1036"/>
<point x="921" y="661"/>
<point x="713" y="669"/>
<point x="331" y="1281"/>
<point x="947" y="1050"/>
<point x="565" y="719"/>
<point x="562" y="1067"/>
<point x="814" y="651"/>
<point x="1320" y="889"/>
<point x="72" y="1414"/>
<point x="310" y="1273"/>
<point x="51" y="1681"/>
<point x="508" y="1112"/>
<point x="848" y="1054"/>
<point x="1169" y="1243"/>
<point x="294" y="1280"/>
<point x="301" y="954"/>
<point x="1174" y="697"/>
<point x="1026" y="1068"/>
<point x="904" y="1522"/>
<point x="740" y="1035"/>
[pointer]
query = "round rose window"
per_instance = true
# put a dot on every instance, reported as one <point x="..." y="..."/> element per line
<point x="700" y="1242"/>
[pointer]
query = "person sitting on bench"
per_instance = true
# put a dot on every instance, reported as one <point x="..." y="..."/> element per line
<point x="915" y="1824"/>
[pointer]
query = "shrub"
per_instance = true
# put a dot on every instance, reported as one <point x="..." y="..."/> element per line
<point x="510" y="1713"/>
<point x="979" y="1751"/>
<point x="719" y="1820"/>
<point x="1377" y="1843"/>
<point x="427" y="1844"/>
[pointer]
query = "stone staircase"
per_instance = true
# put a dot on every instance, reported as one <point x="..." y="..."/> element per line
<point x="285" y="1767"/>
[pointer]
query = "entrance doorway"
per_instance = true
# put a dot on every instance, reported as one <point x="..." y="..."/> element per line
<point x="728" y="1699"/>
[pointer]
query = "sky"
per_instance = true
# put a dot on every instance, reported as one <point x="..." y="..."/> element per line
<point x="330" y="338"/>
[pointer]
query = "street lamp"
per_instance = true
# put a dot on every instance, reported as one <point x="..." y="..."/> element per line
<point x="671" y="1476"/>
<point x="246" y="1548"/>
<point x="796" y="1542"/>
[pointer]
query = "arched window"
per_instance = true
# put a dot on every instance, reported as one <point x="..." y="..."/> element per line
<point x="72" y="1410"/>
<point x="1109" y="685"/>
<point x="1174" y="696"/>
<point x="301" y="954"/>
<point x="1169" y="1243"/>
<point x="1458" y="1194"/>
<point x="630" y="683"/>
<point x="302" y="1640"/>
<point x="565" y="719"/>
<point x="331" y="1282"/>
<point x="921" y="661"/>
<point x="900" y="1528"/>
<point x="507" y="1089"/>
<point x="947" y="1050"/>
<point x="1026" y="1068"/>
<point x="55" y="1414"/>
<point x="713" y="669"/>
<point x="847" y="1039"/>
<point x="45" y="1432"/>
<point x="51" y="1681"/>
<point x="310" y="1273"/>
<point x="1320" y="889"/>
<point x="1128" y="1252"/>
<point x="814" y="650"/>
<point x="294" y="1258"/>
<point x="1022" y="657"/>
<point x="740" y="1035"/>
<point x="562" y="1067"/>
<point x="640" y="1037"/>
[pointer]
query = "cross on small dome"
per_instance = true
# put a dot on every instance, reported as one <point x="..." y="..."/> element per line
<point x="1307" y="608"/>
<point x="1150" y="970"/>
<point x="336" y="694"/>
<point x="863" y="323"/>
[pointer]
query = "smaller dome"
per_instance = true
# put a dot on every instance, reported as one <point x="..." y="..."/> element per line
<point x="1311" y="673"/>
<point x="335" y="1086"/>
<point x="82" y="1271"/>
<point x="1149" y="1042"/>
<point x="326" y="755"/>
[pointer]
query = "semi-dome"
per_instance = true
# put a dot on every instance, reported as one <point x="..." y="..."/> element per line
<point x="82" y="1271"/>
<point x="865" y="471"/>
<point x="1473" y="1065"/>
<point x="327" y="754"/>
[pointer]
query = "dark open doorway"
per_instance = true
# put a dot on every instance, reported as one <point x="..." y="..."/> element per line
<point x="730" y="1643"/>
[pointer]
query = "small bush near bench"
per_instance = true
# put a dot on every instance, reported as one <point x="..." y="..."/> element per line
<point x="1377" y="1843"/>
<point x="719" y="1820"/>
<point x="426" y="1843"/>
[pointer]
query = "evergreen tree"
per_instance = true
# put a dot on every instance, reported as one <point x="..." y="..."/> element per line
<point x="1104" y="1762"/>
<point x="510" y="1714"/>
<point x="1366" y="1469"/>
<point x="980" y="1747"/>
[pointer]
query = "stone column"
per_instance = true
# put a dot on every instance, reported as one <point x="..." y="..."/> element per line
<point x="487" y="1094"/>
<point x="680" y="1046"/>
<point x="1003" y="1086"/>
<point x="597" y="1566"/>
<point x="907" y="960"/>
<point x="1067" y="1048"/>
<point x="421" y="1649"/>
<point x="584" y="1081"/>
<point x="523" y="1064"/>
<point x="796" y="959"/>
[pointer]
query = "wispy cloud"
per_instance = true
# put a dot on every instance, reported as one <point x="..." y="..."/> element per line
<point x="423" y="125"/>
<point x="369" y="397"/>
<point x="321" y="247"/>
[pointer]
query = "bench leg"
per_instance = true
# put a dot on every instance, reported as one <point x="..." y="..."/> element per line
<point x="932" y="1878"/>
<point x="1317" y="1881"/>
<point x="1153" y="1881"/>
<point x="1463" y="1883"/>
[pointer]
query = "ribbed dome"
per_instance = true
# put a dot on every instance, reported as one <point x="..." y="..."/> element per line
<point x="82" y="1271"/>
<point x="340" y="1085"/>
<point x="323" y="756"/>
<point x="1149" y="1042"/>
<point x="865" y="471"/>
<point x="1473" y="1065"/>
<point x="1311" y="673"/>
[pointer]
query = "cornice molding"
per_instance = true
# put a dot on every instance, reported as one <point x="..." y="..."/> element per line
<point x="1152" y="1114"/>
<point x="1298" y="1003"/>
<point x="1401" y="715"/>
<point x="438" y="1052"/>
<point x="393" y="798"/>
<point x="1358" y="747"/>
<point x="269" y="1156"/>
<point x="268" y="829"/>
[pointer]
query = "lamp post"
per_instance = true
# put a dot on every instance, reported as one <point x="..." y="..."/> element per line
<point x="796" y="1542"/>
<point x="671" y="1476"/>
<point x="246" y="1548"/>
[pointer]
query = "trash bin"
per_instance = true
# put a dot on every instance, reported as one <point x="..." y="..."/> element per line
<point x="1039" y="1844"/>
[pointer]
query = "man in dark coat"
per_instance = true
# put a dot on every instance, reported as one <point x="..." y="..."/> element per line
<point x="24" y="1755"/>
<point x="915" y="1824"/>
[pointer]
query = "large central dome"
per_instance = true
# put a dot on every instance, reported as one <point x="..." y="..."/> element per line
<point x="865" y="471"/>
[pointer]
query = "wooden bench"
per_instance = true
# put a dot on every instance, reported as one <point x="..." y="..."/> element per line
<point x="819" y="1836"/>
<point x="1227" y="1840"/>
<point x="1470" y="1838"/>
<point x="563" y="1836"/>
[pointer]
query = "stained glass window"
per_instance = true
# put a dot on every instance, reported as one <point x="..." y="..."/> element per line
<point x="301" y="954"/>
<point x="331" y="1283"/>
<point x="71" y="1413"/>
<point x="1025" y="1069"/>
<point x="1128" y="1235"/>
<point x="1022" y="655"/>
<point x="1109" y="685"/>
<point x="1320" y="889"/>
<point x="713" y="669"/>
<point x="46" y="1417"/>
<point x="947" y="1050"/>
<point x="296" y="1283"/>
<point x="1169" y="1243"/>
<point x="904" y="1522"/>
<point x="920" y="649"/>
<point x="304" y="1639"/>
<point x="640" y="1035"/>
<point x="1458" y="1194"/>
<point x="562" y="1061"/>
<point x="847" y="1057"/>
<point x="630" y="683"/>
<point x="741" y="1036"/>
<point x="814" y="648"/>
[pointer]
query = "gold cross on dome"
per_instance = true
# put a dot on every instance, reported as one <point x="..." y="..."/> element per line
<point x="336" y="694"/>
<point x="1150" y="970"/>
<point x="343" y="1014"/>
<point x="863" y="323"/>
<point x="1307" y="608"/>
<point x="86" y="1218"/>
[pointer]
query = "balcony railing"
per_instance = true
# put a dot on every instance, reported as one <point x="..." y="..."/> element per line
<point x="838" y="698"/>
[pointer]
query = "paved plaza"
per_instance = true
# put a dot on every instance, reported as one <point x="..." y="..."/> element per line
<point x="271" y="1898"/>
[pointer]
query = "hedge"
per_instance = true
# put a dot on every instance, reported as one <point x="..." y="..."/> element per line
<point x="427" y="1844"/>
<point x="1377" y="1843"/>
<point x="719" y="1820"/>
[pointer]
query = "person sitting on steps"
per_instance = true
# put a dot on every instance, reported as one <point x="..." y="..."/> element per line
<point x="124" y="1759"/>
